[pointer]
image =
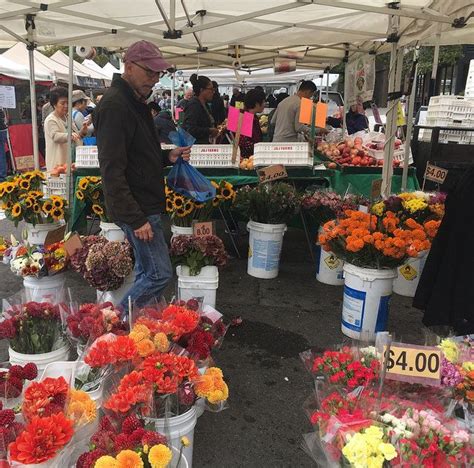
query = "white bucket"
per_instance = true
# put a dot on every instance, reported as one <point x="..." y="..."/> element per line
<point x="265" y="243"/>
<point x="203" y="285"/>
<point x="367" y="294"/>
<point x="37" y="234"/>
<point x="41" y="360"/>
<point x="45" y="289"/>
<point x="115" y="297"/>
<point x="329" y="268"/>
<point x="176" y="427"/>
<point x="183" y="231"/>
<point x="112" y="232"/>
<point x="408" y="275"/>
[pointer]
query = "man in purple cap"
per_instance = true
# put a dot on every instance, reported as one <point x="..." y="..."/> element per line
<point x="131" y="165"/>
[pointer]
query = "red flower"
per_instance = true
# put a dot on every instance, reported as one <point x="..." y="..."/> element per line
<point x="42" y="439"/>
<point x="123" y="349"/>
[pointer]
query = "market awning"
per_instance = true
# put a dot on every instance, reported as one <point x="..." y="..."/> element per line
<point x="19" y="72"/>
<point x="199" y="30"/>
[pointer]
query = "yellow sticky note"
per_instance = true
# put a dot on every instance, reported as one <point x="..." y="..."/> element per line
<point x="306" y="108"/>
<point x="239" y="104"/>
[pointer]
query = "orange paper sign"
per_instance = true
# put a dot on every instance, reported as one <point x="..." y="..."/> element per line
<point x="321" y="114"/>
<point x="306" y="108"/>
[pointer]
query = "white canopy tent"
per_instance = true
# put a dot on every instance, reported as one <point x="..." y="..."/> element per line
<point x="109" y="70"/>
<point x="60" y="57"/>
<point x="15" y="70"/>
<point x="221" y="33"/>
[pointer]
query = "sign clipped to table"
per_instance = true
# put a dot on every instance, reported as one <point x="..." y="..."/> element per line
<point x="435" y="173"/>
<point x="203" y="228"/>
<point x="413" y="364"/>
<point x="272" y="173"/>
<point x="7" y="97"/>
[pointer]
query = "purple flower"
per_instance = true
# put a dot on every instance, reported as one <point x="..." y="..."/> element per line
<point x="450" y="375"/>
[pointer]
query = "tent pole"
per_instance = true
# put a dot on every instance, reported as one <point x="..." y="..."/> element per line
<point x="346" y="105"/>
<point x="327" y="85"/>
<point x="411" y="108"/>
<point x="434" y="68"/>
<point x="34" y="117"/>
<point x="69" y="124"/>
<point x="173" y="84"/>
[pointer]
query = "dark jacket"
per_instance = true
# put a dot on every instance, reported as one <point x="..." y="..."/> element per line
<point x="197" y="121"/>
<point x="3" y="123"/>
<point x="218" y="109"/>
<point x="356" y="122"/>
<point x="130" y="157"/>
<point x="164" y="125"/>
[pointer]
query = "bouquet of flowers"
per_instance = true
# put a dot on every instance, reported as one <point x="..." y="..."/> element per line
<point x="90" y="191"/>
<point x="324" y="205"/>
<point x="125" y="443"/>
<point x="268" y="204"/>
<point x="22" y="199"/>
<point x="419" y="206"/>
<point x="32" y="328"/>
<point x="90" y="321"/>
<point x="197" y="252"/>
<point x="4" y="246"/>
<point x="12" y="380"/>
<point x="183" y="211"/>
<point x="103" y="264"/>
<point x="39" y="261"/>
<point x="369" y="241"/>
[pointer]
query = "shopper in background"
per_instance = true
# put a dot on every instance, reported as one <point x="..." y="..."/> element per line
<point x="198" y="120"/>
<point x="188" y="95"/>
<point x="3" y="141"/>
<point x="55" y="130"/>
<point x="254" y="103"/>
<point x="165" y="103"/>
<point x="131" y="164"/>
<point x="163" y="122"/>
<point x="217" y="105"/>
<point x="237" y="96"/>
<point x="79" y="104"/>
<point x="47" y="108"/>
<point x="287" y="115"/>
<point x="271" y="126"/>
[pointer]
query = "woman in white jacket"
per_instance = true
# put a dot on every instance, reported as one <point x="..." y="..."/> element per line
<point x="55" y="130"/>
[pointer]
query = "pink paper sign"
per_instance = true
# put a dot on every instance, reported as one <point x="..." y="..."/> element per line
<point x="233" y="122"/>
<point x="177" y="111"/>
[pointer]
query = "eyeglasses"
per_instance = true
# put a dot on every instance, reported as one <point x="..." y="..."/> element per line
<point x="151" y="73"/>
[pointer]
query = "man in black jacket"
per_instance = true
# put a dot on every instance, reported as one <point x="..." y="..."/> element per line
<point x="131" y="165"/>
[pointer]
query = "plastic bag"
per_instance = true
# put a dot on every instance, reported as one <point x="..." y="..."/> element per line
<point x="181" y="138"/>
<point x="188" y="181"/>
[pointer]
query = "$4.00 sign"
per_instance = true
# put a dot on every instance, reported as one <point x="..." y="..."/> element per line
<point x="414" y="364"/>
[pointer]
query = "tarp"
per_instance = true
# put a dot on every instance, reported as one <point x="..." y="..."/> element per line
<point x="14" y="70"/>
<point x="321" y="27"/>
<point x="109" y="70"/>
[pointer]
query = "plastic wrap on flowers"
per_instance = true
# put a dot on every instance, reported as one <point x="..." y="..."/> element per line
<point x="13" y="380"/>
<point x="32" y="327"/>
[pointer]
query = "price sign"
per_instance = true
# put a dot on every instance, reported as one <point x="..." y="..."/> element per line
<point x="413" y="364"/>
<point x="376" y="189"/>
<point x="271" y="173"/>
<point x="435" y="173"/>
<point x="73" y="244"/>
<point x="55" y="236"/>
<point x="204" y="228"/>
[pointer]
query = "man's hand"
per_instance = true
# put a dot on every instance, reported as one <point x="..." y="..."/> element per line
<point x="75" y="137"/>
<point x="185" y="152"/>
<point x="144" y="233"/>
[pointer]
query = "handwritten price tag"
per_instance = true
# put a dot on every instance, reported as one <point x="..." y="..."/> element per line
<point x="413" y="364"/>
<point x="204" y="228"/>
<point x="435" y="173"/>
<point x="271" y="173"/>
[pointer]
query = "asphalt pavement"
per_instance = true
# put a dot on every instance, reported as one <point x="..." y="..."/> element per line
<point x="263" y="426"/>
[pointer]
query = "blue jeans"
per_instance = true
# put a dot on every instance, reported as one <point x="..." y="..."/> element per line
<point x="3" y="157"/>
<point x="153" y="268"/>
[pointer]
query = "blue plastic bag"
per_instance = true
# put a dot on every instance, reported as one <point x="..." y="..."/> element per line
<point x="188" y="181"/>
<point x="181" y="138"/>
<point x="89" y="141"/>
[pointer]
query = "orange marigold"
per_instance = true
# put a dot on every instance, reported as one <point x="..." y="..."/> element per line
<point x="145" y="348"/>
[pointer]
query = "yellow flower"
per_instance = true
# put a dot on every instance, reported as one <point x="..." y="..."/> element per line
<point x="211" y="386"/>
<point x="36" y="208"/>
<point x="199" y="205"/>
<point x="94" y="179"/>
<point x="96" y="195"/>
<point x="178" y="202"/>
<point x="16" y="210"/>
<point x="81" y="408"/>
<point x="129" y="459"/>
<point x="98" y="210"/>
<point x="161" y="342"/>
<point x="58" y="203"/>
<point x="36" y="194"/>
<point x="168" y="191"/>
<point x="169" y="205"/>
<point x="468" y="366"/>
<point x="29" y="202"/>
<point x="215" y="202"/>
<point x="378" y="208"/>
<point x="214" y="184"/>
<point x="106" y="462"/>
<point x="140" y="328"/>
<point x="2" y="190"/>
<point x="159" y="456"/>
<point x="80" y="195"/>
<point x="450" y="349"/>
<point x="83" y="183"/>
<point x="137" y="336"/>
<point x="57" y="213"/>
<point x="388" y="451"/>
<point x="185" y="441"/>
<point x="9" y="187"/>
<point x="180" y="213"/>
<point x="25" y="184"/>
<point x="47" y="207"/>
<point x="415" y="205"/>
<point x="145" y="348"/>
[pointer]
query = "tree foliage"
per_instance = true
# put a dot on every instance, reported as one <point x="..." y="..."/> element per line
<point x="101" y="58"/>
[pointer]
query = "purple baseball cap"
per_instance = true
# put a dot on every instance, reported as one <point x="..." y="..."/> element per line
<point x="147" y="53"/>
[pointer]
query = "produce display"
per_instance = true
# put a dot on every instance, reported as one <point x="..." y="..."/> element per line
<point x="247" y="164"/>
<point x="353" y="152"/>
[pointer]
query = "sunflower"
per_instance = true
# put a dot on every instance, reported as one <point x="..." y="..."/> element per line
<point x="226" y="191"/>
<point x="36" y="194"/>
<point x="215" y="202"/>
<point x="47" y="207"/>
<point x="16" y="210"/>
<point x="96" y="195"/>
<point x="98" y="210"/>
<point x="94" y="179"/>
<point x="2" y="190"/>
<point x="83" y="183"/>
<point x="39" y="174"/>
<point x="28" y="175"/>
<point x="7" y="206"/>
<point x="180" y="213"/>
<point x="57" y="213"/>
<point x="57" y="202"/>
<point x="199" y="205"/>
<point x="168" y="191"/>
<point x="214" y="184"/>
<point x="80" y="195"/>
<point x="29" y="202"/>
<point x="189" y="205"/>
<point x="25" y="184"/>
<point x="9" y="187"/>
<point x="178" y="202"/>
<point x="169" y="205"/>
<point x="37" y="208"/>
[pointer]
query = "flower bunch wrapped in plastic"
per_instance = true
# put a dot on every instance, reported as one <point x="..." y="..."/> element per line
<point x="12" y="381"/>
<point x="5" y="244"/>
<point x="183" y="211"/>
<point x="197" y="252"/>
<point x="32" y="327"/>
<point x="125" y="443"/>
<point x="103" y="264"/>
<point x="110" y="349"/>
<point x="90" y="190"/>
<point x="369" y="241"/>
<point x="90" y="321"/>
